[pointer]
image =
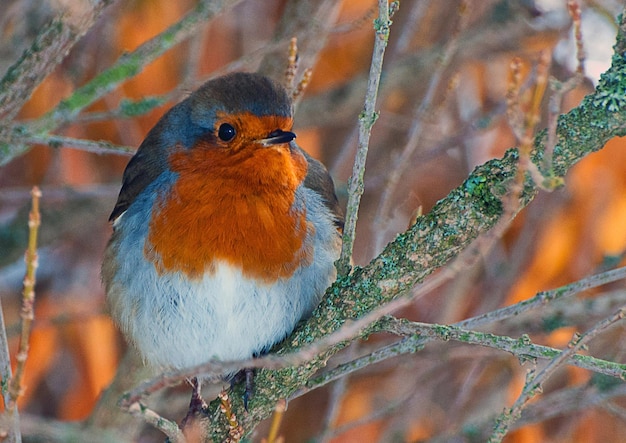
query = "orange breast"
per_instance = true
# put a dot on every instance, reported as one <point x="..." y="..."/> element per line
<point x="231" y="206"/>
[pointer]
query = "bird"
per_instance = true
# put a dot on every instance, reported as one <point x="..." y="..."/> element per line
<point x="225" y="231"/>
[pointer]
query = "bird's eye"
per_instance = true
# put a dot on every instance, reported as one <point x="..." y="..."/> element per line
<point x="226" y="132"/>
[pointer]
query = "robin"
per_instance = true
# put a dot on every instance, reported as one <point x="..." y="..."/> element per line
<point x="225" y="232"/>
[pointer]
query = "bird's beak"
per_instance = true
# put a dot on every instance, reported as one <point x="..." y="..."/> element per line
<point x="277" y="137"/>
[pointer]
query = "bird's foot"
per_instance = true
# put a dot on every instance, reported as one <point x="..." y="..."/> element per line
<point x="198" y="408"/>
<point x="247" y="376"/>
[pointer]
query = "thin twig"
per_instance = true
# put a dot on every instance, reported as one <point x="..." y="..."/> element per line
<point x="294" y="87"/>
<point x="414" y="17"/>
<point x="298" y="92"/>
<point x="15" y="388"/>
<point x="401" y="162"/>
<point x="414" y="344"/>
<point x="358" y="23"/>
<point x="311" y="22"/>
<point x="168" y="427"/>
<point x="277" y="418"/>
<point x="558" y="90"/>
<point x="367" y="118"/>
<point x="195" y="54"/>
<point x="5" y="358"/>
<point x="337" y="394"/>
<point x="531" y="119"/>
<point x="10" y="427"/>
<point x="523" y="348"/>
<point x="535" y="381"/>
<point x="292" y="65"/>
<point x="235" y="430"/>
<point x="130" y="108"/>
<point x="514" y="112"/>
<point x="544" y="297"/>
<point x="97" y="147"/>
<point x="392" y="408"/>
<point x="562" y="403"/>
<point x="401" y="347"/>
<point x="28" y="298"/>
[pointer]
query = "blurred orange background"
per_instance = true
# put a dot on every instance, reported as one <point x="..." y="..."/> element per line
<point x="561" y="237"/>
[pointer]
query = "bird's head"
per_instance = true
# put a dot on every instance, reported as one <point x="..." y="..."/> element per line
<point x="241" y="110"/>
<point x="236" y="124"/>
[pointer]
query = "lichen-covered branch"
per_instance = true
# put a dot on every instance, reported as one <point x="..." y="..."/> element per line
<point x="522" y="347"/>
<point x="50" y="47"/>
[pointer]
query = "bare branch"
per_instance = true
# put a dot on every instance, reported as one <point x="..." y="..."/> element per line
<point x="367" y="118"/>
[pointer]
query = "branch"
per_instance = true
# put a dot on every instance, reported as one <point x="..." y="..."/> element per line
<point x="477" y="42"/>
<point x="522" y="348"/>
<point x="27" y="312"/>
<point x="127" y="66"/>
<point x="367" y="118"/>
<point x="436" y="238"/>
<point x="557" y="404"/>
<point x="520" y="311"/>
<point x="12" y="384"/>
<point x="97" y="147"/>
<point x="535" y="381"/>
<point x="420" y="114"/>
<point x="310" y="23"/>
<point x="48" y="50"/>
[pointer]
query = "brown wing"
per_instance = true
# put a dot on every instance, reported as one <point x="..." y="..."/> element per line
<point x="319" y="180"/>
<point x="143" y="169"/>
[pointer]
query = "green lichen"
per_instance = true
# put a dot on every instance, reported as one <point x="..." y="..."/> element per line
<point x="443" y="332"/>
<point x="369" y="120"/>
<point x="604" y="382"/>
<point x="472" y="433"/>
<point x="474" y="184"/>
<point x="130" y="108"/>
<point x="553" y="322"/>
<point x="105" y="81"/>
<point x="479" y="189"/>
<point x="382" y="26"/>
<point x="41" y="43"/>
<point x="524" y="341"/>
<point x="611" y="92"/>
